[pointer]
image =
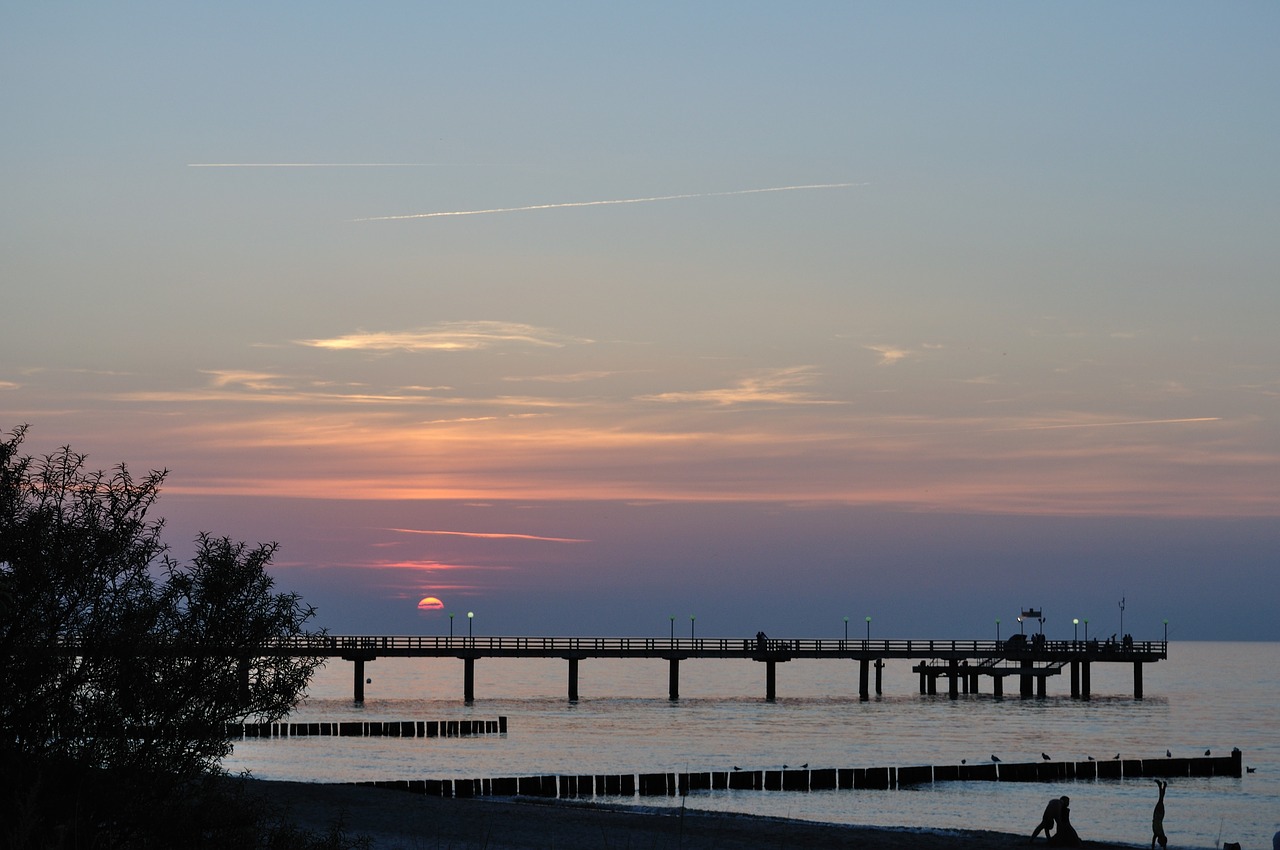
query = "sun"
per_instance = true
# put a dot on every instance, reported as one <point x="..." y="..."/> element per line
<point x="430" y="603"/>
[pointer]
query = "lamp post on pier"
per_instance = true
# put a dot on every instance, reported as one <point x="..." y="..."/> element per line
<point x="471" y="615"/>
<point x="846" y="628"/>
<point x="997" y="629"/>
<point x="868" y="628"/>
<point x="1166" y="631"/>
<point x="692" y="630"/>
<point x="451" y="625"/>
<point x="1075" y="625"/>
<point x="1122" y="616"/>
<point x="1086" y="629"/>
<point x="673" y="627"/>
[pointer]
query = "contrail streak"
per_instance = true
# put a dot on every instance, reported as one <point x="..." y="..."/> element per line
<point x="313" y="164"/>
<point x="609" y="203"/>
<point x="1108" y="424"/>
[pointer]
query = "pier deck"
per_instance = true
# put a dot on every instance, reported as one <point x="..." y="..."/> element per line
<point x="961" y="662"/>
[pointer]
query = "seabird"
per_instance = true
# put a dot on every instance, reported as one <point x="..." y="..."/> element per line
<point x="1206" y="752"/>
<point x="1090" y="758"/>
<point x="1117" y="755"/>
<point x="805" y="766"/>
<point x="735" y="767"/>
<point x="964" y="761"/>
<point x="995" y="758"/>
<point x="1045" y="756"/>
<point x="1168" y="754"/>
<point x="1248" y="769"/>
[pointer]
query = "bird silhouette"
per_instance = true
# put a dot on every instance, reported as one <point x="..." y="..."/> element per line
<point x="1090" y="758"/>
<point x="1168" y="754"/>
<point x="1117" y="755"/>
<point x="995" y="758"/>
<point x="1248" y="769"/>
<point x="1206" y="752"/>
<point x="785" y="766"/>
<point x="1045" y="756"/>
<point x="735" y="767"/>
<point x="805" y="766"/>
<point x="964" y="761"/>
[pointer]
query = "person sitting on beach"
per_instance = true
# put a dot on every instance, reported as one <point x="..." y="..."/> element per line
<point x="1157" y="819"/>
<point x="1050" y="816"/>
<point x="1066" y="835"/>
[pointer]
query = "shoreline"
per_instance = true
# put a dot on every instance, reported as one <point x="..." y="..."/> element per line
<point x="398" y="820"/>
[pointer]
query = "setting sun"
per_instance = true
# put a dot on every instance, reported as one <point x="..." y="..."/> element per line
<point x="430" y="603"/>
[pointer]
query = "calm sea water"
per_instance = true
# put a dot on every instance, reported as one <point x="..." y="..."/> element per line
<point x="1206" y="696"/>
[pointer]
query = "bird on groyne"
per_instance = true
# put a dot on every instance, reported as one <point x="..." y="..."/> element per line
<point x="735" y="767"/>
<point x="1206" y="752"/>
<point x="1045" y="756"/>
<point x="1248" y="769"/>
<point x="1168" y="754"/>
<point x="995" y="758"/>
<point x="804" y="766"/>
<point x="1116" y="756"/>
<point x="1090" y="758"/>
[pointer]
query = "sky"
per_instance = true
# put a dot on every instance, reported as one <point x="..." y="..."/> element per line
<point x="638" y="319"/>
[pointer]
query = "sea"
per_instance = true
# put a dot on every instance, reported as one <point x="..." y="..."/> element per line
<point x="1206" y="697"/>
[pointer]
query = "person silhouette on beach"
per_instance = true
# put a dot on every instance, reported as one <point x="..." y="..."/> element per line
<point x="1052" y="813"/>
<point x="1066" y="835"/>
<point x="1157" y="819"/>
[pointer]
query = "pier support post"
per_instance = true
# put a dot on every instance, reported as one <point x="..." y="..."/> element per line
<point x="1042" y="683"/>
<point x="997" y="687"/>
<point x="359" y="691"/>
<point x="1024" y="683"/>
<point x="1137" y="680"/>
<point x="468" y="680"/>
<point x="879" y="676"/>
<point x="1075" y="680"/>
<point x="771" y="681"/>
<point x="573" y="680"/>
<point x="1084" y="680"/>
<point x="673" y="680"/>
<point x="864" y="669"/>
<point x="953" y="679"/>
<point x="924" y="685"/>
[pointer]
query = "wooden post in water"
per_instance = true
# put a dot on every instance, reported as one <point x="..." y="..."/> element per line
<point x="468" y="680"/>
<point x="673" y="679"/>
<point x="879" y="676"/>
<point x="1137" y="680"/>
<point x="771" y="680"/>
<point x="997" y="687"/>
<point x="359" y="693"/>
<point x="953" y="678"/>
<point x="573" y="680"/>
<point x="1084" y="680"/>
<point x="1024" y="683"/>
<point x="1075" y="680"/>
<point x="864" y="666"/>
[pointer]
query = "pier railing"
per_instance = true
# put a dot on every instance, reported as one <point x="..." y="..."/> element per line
<point x="693" y="647"/>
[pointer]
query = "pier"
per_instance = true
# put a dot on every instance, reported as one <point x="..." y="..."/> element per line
<point x="963" y="664"/>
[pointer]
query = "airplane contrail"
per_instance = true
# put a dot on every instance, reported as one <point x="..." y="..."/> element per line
<point x="313" y="164"/>
<point x="611" y="202"/>
<point x="1107" y="424"/>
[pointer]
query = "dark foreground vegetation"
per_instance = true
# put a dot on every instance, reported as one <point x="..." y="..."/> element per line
<point x="120" y="667"/>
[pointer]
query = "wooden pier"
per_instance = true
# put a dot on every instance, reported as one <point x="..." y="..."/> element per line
<point x="962" y="663"/>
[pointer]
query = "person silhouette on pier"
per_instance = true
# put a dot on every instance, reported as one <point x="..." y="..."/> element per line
<point x="1157" y="819"/>
<point x="1052" y="813"/>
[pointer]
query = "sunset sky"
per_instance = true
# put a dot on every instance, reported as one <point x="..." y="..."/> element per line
<point x="581" y="316"/>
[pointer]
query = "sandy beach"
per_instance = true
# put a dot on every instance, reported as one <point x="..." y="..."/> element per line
<point x="396" y="820"/>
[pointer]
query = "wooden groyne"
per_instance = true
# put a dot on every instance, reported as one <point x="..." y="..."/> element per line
<point x="562" y="786"/>
<point x="371" y="729"/>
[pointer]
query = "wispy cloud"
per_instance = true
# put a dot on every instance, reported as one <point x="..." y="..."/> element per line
<point x="889" y="354"/>
<point x="775" y="386"/>
<point x="1107" y="424"/>
<point x="447" y="336"/>
<point x="649" y="200"/>
<point x="490" y="535"/>
<point x="571" y="378"/>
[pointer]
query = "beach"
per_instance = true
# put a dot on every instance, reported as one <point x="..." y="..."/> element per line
<point x="397" y="820"/>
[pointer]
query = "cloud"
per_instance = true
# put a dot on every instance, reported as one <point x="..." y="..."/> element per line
<point x="490" y="535"/>
<point x="447" y="336"/>
<point x="572" y="378"/>
<point x="1107" y="424"/>
<point x="775" y="386"/>
<point x="610" y="202"/>
<point x="889" y="354"/>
